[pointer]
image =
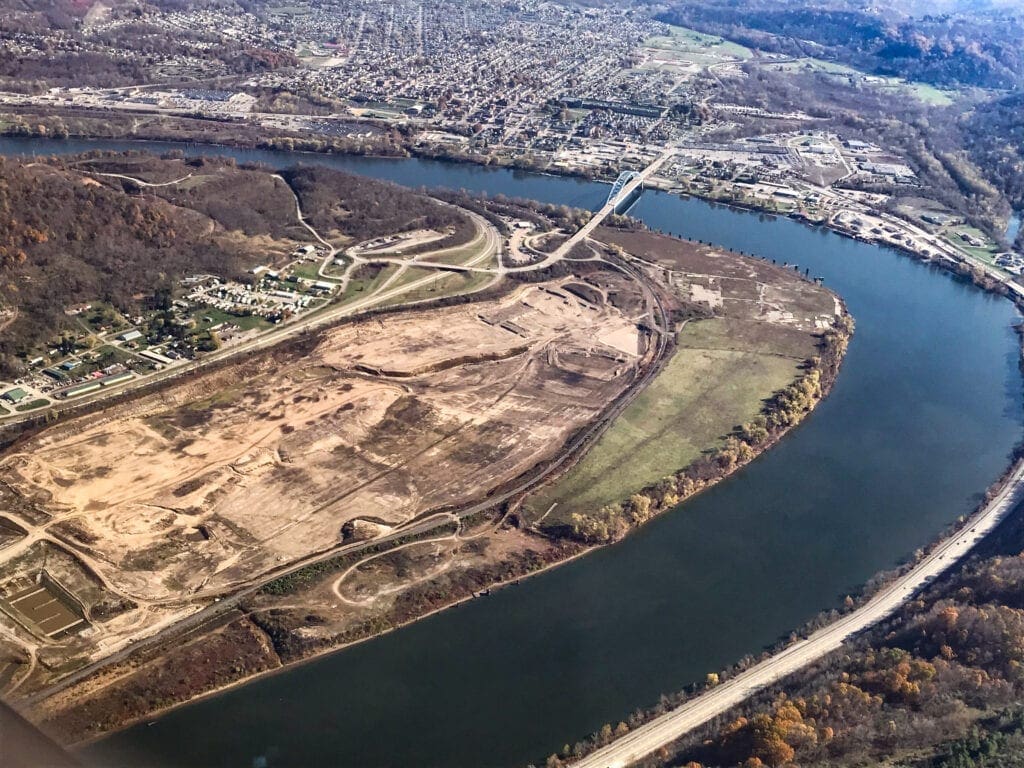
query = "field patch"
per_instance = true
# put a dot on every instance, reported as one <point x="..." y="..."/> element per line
<point x="213" y="482"/>
<point x="715" y="381"/>
<point x="765" y="327"/>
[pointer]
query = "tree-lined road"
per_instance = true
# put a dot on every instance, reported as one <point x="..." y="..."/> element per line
<point x="668" y="727"/>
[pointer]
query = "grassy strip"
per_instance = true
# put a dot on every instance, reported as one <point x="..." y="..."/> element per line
<point x="32" y="405"/>
<point x="787" y="407"/>
<point x="705" y="390"/>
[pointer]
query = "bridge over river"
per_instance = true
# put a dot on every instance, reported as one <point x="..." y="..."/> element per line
<point x="624" y="186"/>
<point x="623" y="192"/>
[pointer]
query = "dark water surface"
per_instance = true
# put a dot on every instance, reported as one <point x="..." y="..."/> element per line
<point x="922" y="419"/>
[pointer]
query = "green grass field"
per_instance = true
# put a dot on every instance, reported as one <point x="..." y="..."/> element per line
<point x="462" y="254"/>
<point x="362" y="285"/>
<point x="207" y="317"/>
<point x="927" y="94"/>
<point x="716" y="380"/>
<point x="687" y="46"/>
<point x="412" y="274"/>
<point x="32" y="405"/>
<point x="444" y="284"/>
<point x="690" y="41"/>
<point x="986" y="253"/>
<point x="310" y="270"/>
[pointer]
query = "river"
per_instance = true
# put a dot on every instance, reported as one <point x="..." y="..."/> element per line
<point x="921" y="421"/>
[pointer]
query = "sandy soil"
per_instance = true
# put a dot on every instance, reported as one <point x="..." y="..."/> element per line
<point x="206" y="486"/>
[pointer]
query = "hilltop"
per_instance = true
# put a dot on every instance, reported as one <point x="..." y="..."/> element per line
<point x="79" y="230"/>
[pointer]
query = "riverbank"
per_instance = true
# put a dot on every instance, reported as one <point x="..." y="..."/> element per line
<point x="979" y="274"/>
<point x="282" y="667"/>
<point x="723" y="695"/>
<point x="85" y="124"/>
<point x="855" y="488"/>
<point x="683" y="435"/>
<point x="282" y="611"/>
<point x="383" y="142"/>
<point x="680" y="715"/>
<point x="1002" y="517"/>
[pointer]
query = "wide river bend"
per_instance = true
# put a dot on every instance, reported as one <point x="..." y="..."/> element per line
<point x="922" y="419"/>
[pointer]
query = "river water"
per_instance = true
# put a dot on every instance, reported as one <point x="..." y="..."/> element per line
<point x="921" y="420"/>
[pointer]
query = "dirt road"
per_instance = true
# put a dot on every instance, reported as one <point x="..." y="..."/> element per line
<point x="229" y="599"/>
<point x="670" y="726"/>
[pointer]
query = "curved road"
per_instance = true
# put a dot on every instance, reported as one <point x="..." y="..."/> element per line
<point x="231" y="599"/>
<point x="694" y="713"/>
<point x="491" y="248"/>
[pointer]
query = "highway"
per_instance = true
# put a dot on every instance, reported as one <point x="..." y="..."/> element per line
<point x="490" y="248"/>
<point x="490" y="244"/>
<point x="716" y="701"/>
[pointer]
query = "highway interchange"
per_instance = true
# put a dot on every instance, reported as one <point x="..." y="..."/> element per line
<point x="489" y="243"/>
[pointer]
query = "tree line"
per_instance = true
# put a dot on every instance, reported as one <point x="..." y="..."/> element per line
<point x="784" y="409"/>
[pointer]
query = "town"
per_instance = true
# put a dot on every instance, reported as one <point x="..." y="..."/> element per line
<point x="108" y="349"/>
<point x="321" y="318"/>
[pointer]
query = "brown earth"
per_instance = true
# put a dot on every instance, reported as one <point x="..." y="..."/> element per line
<point x="162" y="504"/>
<point x="376" y="423"/>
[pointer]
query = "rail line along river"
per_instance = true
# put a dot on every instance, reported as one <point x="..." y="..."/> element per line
<point x="921" y="421"/>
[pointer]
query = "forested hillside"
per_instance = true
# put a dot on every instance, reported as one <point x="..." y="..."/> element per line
<point x="984" y="48"/>
<point x="994" y="137"/>
<point x="79" y="229"/>
<point x="363" y="209"/>
<point x="66" y="238"/>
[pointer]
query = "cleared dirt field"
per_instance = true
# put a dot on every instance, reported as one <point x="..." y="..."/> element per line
<point x="208" y="485"/>
<point x="766" y="325"/>
<point x="385" y="593"/>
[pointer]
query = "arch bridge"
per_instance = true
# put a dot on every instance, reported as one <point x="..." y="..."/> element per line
<point x="621" y="183"/>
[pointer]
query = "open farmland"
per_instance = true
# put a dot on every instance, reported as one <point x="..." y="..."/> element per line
<point x="765" y="326"/>
<point x="685" y="52"/>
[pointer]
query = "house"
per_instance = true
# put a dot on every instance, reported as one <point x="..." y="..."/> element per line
<point x="131" y="335"/>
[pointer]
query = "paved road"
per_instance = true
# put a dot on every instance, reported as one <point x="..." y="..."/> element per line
<point x="670" y="726"/>
<point x="303" y="324"/>
<point x="228" y="599"/>
<point x="584" y="232"/>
